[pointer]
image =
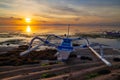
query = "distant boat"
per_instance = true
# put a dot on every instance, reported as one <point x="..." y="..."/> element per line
<point x="113" y="34"/>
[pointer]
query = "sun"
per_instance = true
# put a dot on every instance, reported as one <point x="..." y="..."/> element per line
<point x="28" y="29"/>
<point x="28" y="20"/>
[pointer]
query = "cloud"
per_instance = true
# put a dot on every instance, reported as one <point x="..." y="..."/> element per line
<point x="64" y="10"/>
<point x="9" y="18"/>
<point x="10" y="21"/>
<point x="62" y="7"/>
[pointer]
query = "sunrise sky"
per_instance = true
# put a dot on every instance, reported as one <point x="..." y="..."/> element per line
<point x="14" y="12"/>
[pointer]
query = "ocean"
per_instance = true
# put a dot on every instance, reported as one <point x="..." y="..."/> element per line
<point x="59" y="29"/>
<point x="12" y="34"/>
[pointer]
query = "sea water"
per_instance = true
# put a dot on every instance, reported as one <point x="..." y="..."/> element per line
<point x="14" y="33"/>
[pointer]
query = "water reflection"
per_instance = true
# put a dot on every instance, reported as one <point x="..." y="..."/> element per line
<point x="28" y="29"/>
<point x="58" y="29"/>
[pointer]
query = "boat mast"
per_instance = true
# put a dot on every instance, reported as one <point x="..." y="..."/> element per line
<point x="68" y="30"/>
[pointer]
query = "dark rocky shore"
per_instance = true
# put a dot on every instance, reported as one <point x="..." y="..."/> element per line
<point x="30" y="67"/>
<point x="12" y="57"/>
